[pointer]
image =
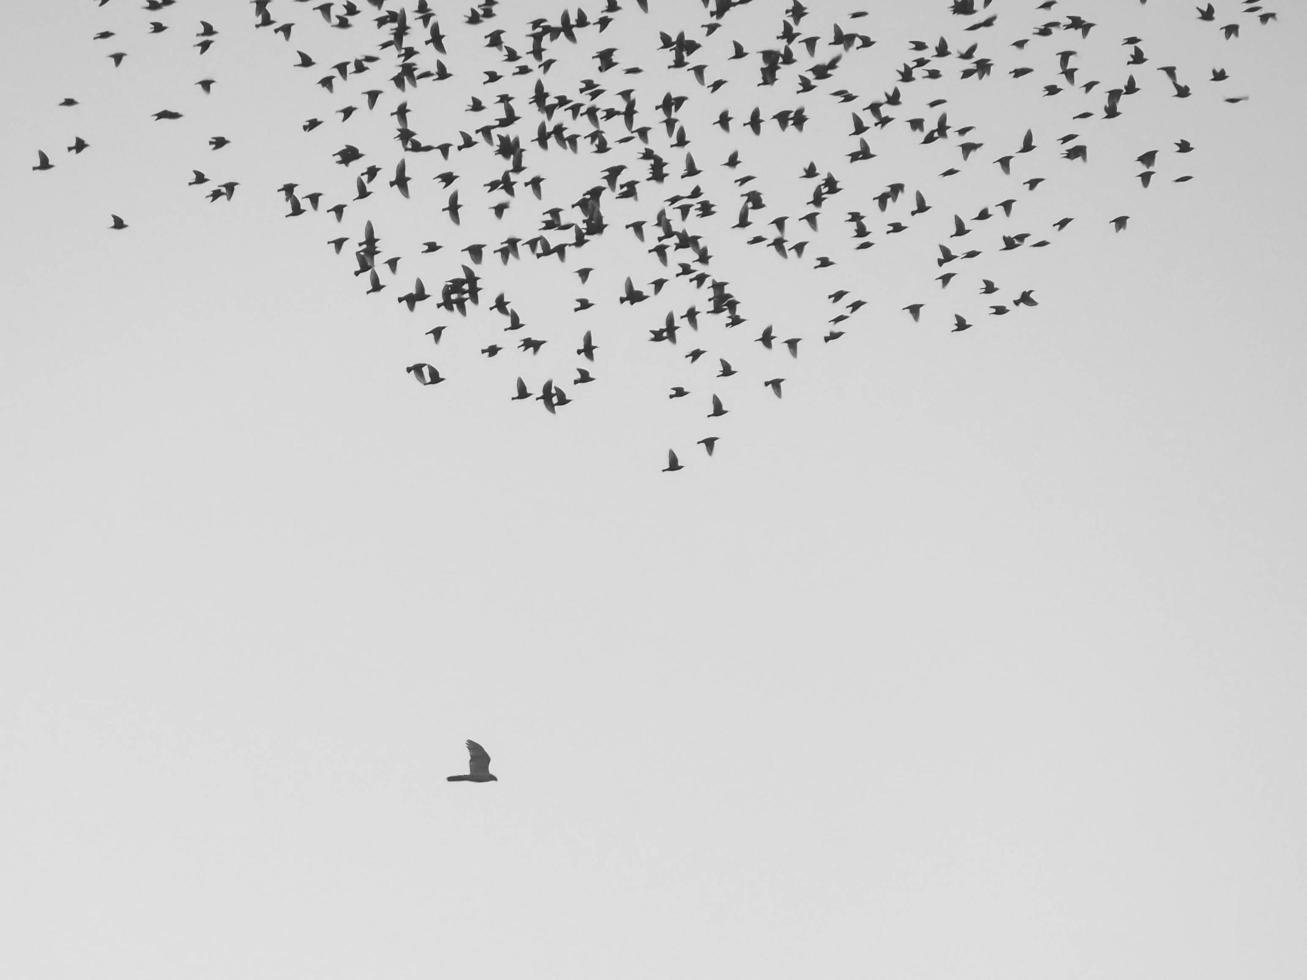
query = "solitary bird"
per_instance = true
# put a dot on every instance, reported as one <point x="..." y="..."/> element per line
<point x="478" y="765"/>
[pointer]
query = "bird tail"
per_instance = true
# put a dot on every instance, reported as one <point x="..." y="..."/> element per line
<point x="455" y="779"/>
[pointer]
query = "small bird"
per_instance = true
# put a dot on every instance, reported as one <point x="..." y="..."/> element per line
<point x="426" y="374"/>
<point x="118" y="223"/>
<point x="673" y="464"/>
<point x="44" y="161"/>
<point x="478" y="765"/>
<point x="587" y="348"/>
<point x="775" y="385"/>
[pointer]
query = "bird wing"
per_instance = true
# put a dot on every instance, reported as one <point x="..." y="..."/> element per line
<point x="478" y="759"/>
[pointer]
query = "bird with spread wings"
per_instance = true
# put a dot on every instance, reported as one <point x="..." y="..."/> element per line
<point x="478" y="766"/>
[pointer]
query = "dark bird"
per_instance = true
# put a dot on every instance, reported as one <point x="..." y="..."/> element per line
<point x="118" y="223"/>
<point x="673" y="464"/>
<point x="43" y="161"/>
<point x="478" y="766"/>
<point x="426" y="374"/>
<point x="587" y="348"/>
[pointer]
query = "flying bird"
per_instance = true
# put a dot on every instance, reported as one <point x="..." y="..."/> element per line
<point x="478" y="766"/>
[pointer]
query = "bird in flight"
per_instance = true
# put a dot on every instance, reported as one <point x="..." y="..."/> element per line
<point x="478" y="765"/>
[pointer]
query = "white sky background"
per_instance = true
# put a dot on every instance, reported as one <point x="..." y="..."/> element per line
<point x="977" y="655"/>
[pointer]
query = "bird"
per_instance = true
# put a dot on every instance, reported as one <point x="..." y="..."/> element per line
<point x="425" y="374"/>
<point x="43" y="161"/>
<point x="478" y="766"/>
<point x="118" y="223"/>
<point x="587" y="348"/>
<point x="673" y="464"/>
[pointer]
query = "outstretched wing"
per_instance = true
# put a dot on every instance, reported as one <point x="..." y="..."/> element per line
<point x="478" y="759"/>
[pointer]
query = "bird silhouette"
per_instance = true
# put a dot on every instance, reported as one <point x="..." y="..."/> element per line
<point x="478" y="766"/>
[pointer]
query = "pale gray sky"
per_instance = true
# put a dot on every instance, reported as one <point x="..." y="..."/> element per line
<point x="977" y="655"/>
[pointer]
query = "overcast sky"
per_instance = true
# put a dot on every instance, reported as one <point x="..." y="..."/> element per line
<point x="977" y="655"/>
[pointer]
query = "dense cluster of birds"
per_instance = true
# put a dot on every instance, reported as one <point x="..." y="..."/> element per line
<point x="629" y="132"/>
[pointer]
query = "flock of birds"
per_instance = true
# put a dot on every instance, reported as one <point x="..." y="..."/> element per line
<point x="631" y="151"/>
